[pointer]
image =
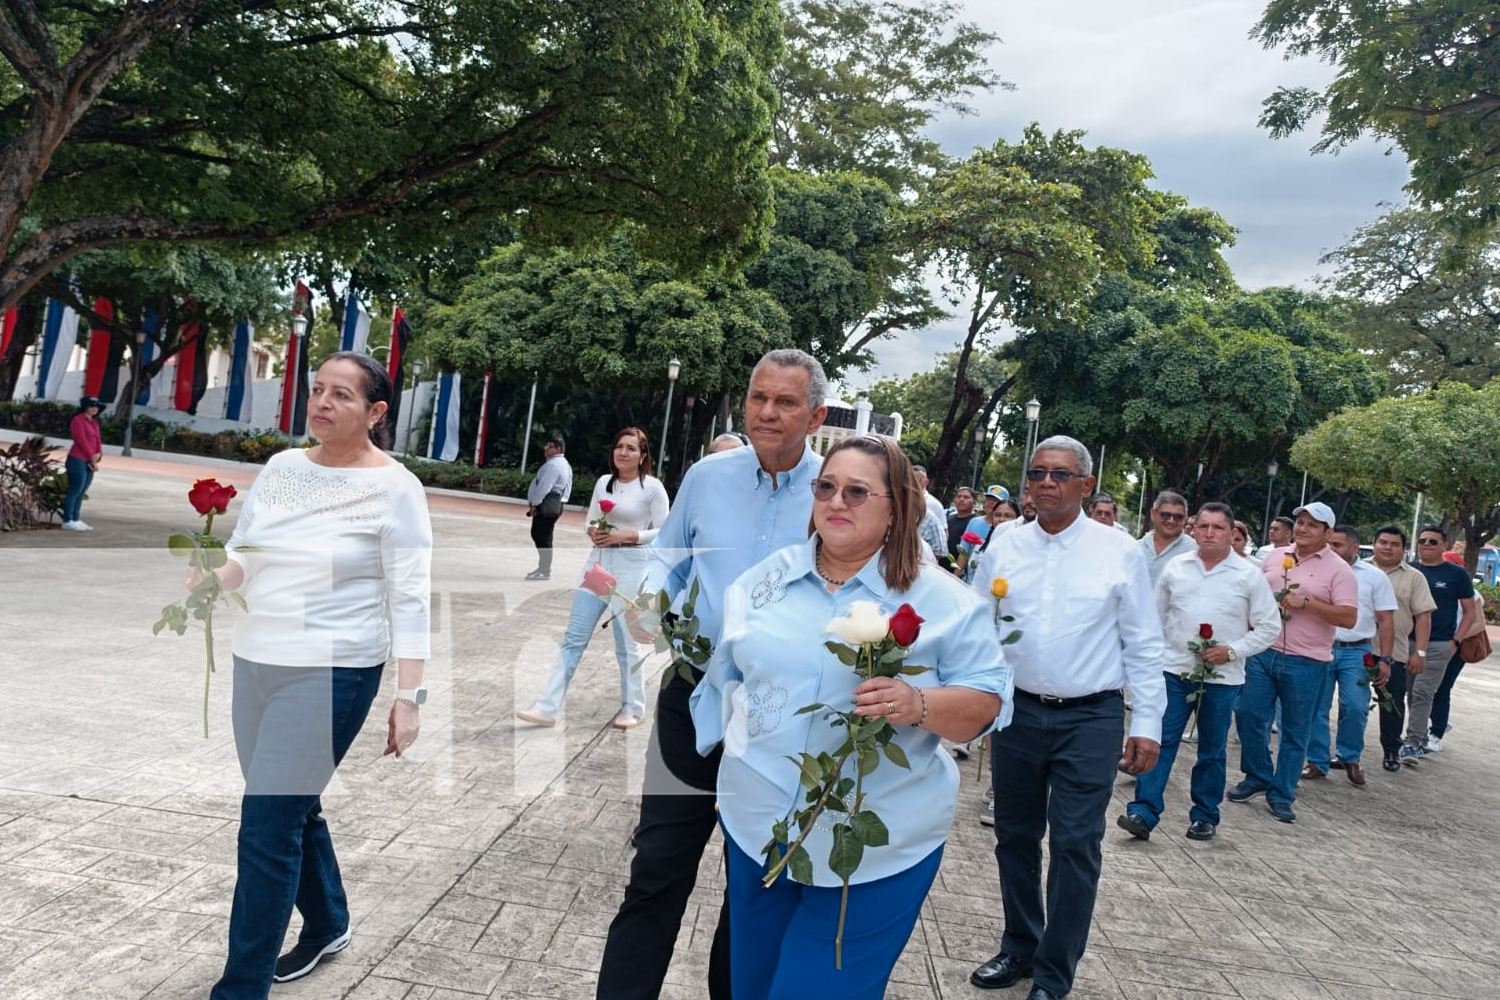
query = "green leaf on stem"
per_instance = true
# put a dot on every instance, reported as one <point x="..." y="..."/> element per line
<point x="869" y="830"/>
<point x="180" y="545"/>
<point x="847" y="852"/>
<point x="896" y="755"/>
<point x="847" y="656"/>
<point x="800" y="865"/>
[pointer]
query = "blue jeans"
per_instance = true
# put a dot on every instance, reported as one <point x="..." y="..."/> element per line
<point x="1354" y="709"/>
<point x="80" y="476"/>
<point x="1442" y="700"/>
<point x="1296" y="681"/>
<point x="1215" y="707"/>
<point x="582" y="618"/>
<point x="781" y="939"/>
<point x="292" y="725"/>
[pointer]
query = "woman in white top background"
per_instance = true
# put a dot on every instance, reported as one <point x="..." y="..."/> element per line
<point x="332" y="553"/>
<point x="639" y="506"/>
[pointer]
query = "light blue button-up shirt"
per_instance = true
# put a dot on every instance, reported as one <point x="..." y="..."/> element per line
<point x="726" y="518"/>
<point x="771" y="661"/>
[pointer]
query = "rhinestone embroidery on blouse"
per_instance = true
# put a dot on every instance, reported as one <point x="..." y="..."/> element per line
<point x="768" y="591"/>
<point x="764" y="706"/>
<point x="353" y="498"/>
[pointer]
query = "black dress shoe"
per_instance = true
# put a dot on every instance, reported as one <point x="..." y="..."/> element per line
<point x="1042" y="993"/>
<point x="1200" y="829"/>
<point x="999" y="972"/>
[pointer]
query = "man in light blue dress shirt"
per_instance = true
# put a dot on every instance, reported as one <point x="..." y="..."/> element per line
<point x="1167" y="538"/>
<point x="553" y="478"/>
<point x="733" y="509"/>
<point x="1083" y="602"/>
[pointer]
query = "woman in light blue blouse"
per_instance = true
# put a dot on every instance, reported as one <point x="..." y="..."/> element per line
<point x="771" y="661"/>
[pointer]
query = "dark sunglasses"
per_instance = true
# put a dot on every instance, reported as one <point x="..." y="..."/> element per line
<point x="824" y="489"/>
<point x="1059" y="476"/>
<point x="1429" y="541"/>
<point x="1172" y="518"/>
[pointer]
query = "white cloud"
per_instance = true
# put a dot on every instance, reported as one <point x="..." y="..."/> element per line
<point x="1183" y="84"/>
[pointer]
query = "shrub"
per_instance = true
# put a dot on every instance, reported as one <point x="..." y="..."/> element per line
<point x="29" y="478"/>
<point x="1491" y="603"/>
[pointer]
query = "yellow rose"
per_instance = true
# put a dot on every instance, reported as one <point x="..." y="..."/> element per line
<point x="999" y="588"/>
<point x="1287" y="562"/>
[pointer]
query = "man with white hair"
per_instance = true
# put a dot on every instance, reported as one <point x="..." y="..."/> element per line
<point x="1081" y="598"/>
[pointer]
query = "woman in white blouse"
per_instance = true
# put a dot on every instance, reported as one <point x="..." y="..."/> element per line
<point x="639" y="507"/>
<point x="332" y="554"/>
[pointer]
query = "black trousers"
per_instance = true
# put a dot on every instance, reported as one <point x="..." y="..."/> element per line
<point x="1393" y="723"/>
<point x="677" y="820"/>
<point x="1053" y="772"/>
<point x="541" y="536"/>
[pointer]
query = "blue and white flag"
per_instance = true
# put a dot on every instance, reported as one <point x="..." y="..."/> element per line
<point x="237" y="401"/>
<point x="356" y="326"/>
<point x="444" y="442"/>
<point x="59" y="337"/>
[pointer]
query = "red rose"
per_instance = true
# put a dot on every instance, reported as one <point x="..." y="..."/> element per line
<point x="969" y="538"/>
<point x="606" y="505"/>
<point x="597" y="581"/>
<point x="1205" y="631"/>
<point x="1369" y="659"/>
<point x="209" y="495"/>
<point x="906" y="625"/>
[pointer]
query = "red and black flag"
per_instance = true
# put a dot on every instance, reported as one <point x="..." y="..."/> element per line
<point x="396" y="357"/>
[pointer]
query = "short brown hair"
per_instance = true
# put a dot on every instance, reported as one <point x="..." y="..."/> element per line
<point x="902" y="557"/>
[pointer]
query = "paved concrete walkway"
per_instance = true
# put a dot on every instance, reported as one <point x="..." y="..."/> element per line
<point x="489" y="861"/>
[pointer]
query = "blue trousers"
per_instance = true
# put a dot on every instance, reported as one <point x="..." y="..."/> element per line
<point x="1215" y="707"/>
<point x="1354" y="709"/>
<point x="1442" y="700"/>
<point x="1295" y="681"/>
<point x="80" y="476"/>
<point x="781" y="939"/>
<point x="582" y="617"/>
<point x="292" y="725"/>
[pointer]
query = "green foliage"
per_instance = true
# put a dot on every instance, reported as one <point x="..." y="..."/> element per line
<point x="351" y="122"/>
<point x="860" y="81"/>
<point x="1445" y="443"/>
<point x="30" y="484"/>
<point x="1184" y="379"/>
<point x="1426" y="298"/>
<point x="1424" y="76"/>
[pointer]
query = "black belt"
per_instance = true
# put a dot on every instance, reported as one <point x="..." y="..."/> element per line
<point x="1052" y="701"/>
<point x="1357" y="643"/>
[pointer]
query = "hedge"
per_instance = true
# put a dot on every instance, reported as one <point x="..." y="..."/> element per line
<point x="51" y="419"/>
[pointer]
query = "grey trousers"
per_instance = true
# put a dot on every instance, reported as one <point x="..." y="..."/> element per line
<point x="1420" y="690"/>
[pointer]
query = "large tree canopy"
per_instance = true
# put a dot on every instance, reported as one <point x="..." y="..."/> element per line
<point x="244" y="120"/>
<point x="1444" y="443"/>
<point x="861" y="80"/>
<point x="1206" y="389"/>
<point x="1425" y="76"/>
<point x="1427" y="300"/>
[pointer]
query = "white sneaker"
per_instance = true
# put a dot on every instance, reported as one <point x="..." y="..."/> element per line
<point x="74" y="526"/>
<point x="82" y="526"/>
<point x="1434" y="744"/>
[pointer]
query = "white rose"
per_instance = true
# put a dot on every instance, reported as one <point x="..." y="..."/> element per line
<point x="864" y="623"/>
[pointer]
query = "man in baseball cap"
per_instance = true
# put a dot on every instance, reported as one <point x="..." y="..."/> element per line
<point x="997" y="493"/>
<point x="1318" y="512"/>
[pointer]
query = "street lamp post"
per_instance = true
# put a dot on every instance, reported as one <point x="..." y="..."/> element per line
<point x="134" y="391"/>
<point x="299" y="334"/>
<point x="673" y="368"/>
<point x="1265" y="524"/>
<point x="1033" y="414"/>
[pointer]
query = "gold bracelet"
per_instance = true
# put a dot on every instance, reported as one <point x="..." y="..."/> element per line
<point x="410" y="702"/>
<point x="918" y="723"/>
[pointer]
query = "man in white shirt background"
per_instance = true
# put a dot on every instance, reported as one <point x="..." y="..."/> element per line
<point x="1211" y="586"/>
<point x="553" y="479"/>
<point x="1081" y="598"/>
<point x="1373" y="632"/>
<point x="1167" y="538"/>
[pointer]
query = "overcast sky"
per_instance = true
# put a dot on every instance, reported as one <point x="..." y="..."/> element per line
<point x="1182" y="83"/>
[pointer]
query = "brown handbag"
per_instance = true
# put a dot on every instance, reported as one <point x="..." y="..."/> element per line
<point x="1475" y="648"/>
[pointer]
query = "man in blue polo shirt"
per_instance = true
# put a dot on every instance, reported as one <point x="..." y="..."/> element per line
<point x="733" y="509"/>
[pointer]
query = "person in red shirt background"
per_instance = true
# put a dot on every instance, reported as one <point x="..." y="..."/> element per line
<point x="83" y="459"/>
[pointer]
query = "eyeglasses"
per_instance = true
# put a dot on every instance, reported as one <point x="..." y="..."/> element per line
<point x="1429" y="541"/>
<point x="854" y="495"/>
<point x="1170" y="518"/>
<point x="1059" y="476"/>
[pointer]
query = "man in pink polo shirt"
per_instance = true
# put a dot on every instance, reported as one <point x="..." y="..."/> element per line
<point x="1317" y="593"/>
